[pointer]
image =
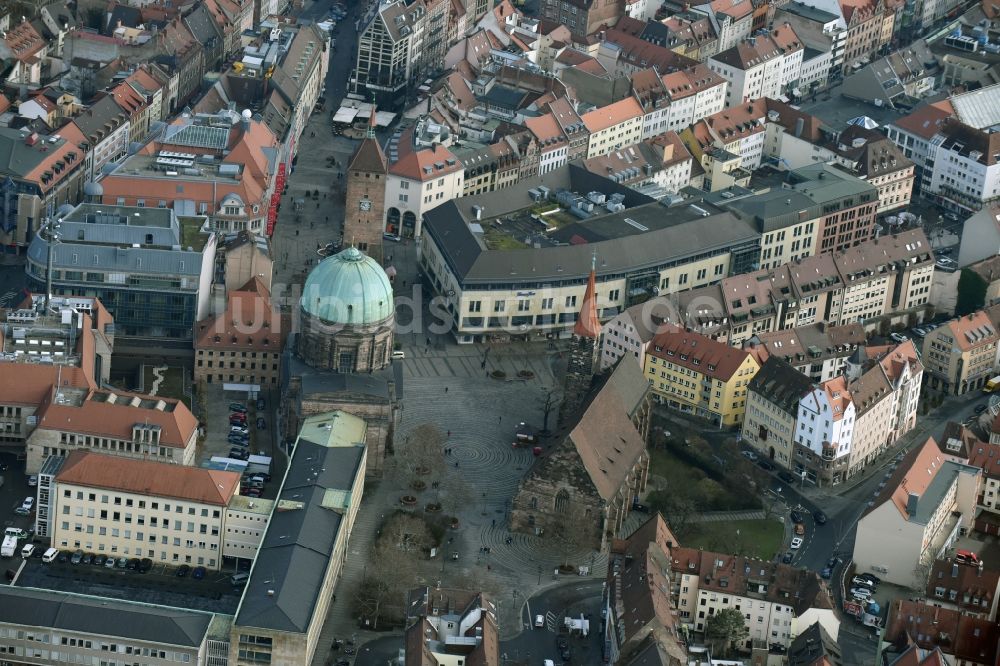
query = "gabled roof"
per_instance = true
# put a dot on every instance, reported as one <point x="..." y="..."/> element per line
<point x="697" y="352"/>
<point x="612" y="114"/>
<point x="755" y="51"/>
<point x="146" y="477"/>
<point x="927" y="119"/>
<point x="426" y="164"/>
<point x="587" y="324"/>
<point x="369" y="158"/>
<point x="780" y="384"/>
<point x="970" y="639"/>
<point x="971" y="588"/>
<point x="604" y="437"/>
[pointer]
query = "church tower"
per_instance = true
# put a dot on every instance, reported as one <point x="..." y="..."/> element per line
<point x="583" y="351"/>
<point x="364" y="208"/>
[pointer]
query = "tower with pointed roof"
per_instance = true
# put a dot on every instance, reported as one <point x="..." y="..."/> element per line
<point x="583" y="352"/>
<point x="364" y="207"/>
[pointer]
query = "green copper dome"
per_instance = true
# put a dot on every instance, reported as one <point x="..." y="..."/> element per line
<point x="348" y="288"/>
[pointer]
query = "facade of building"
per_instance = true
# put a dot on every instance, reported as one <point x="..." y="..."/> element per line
<point x="449" y="624"/>
<point x="772" y="409"/>
<point x="151" y="269"/>
<point x="817" y="350"/>
<point x="390" y="56"/>
<point x="761" y="66"/>
<point x="578" y="475"/>
<point x="771" y="596"/>
<point x="697" y="374"/>
<point x="961" y="355"/>
<point x="243" y="344"/>
<point x="582" y="17"/>
<point x="916" y="517"/>
<point x="418" y="182"/>
<point x="120" y="507"/>
<point x="303" y="550"/>
<point x="613" y="126"/>
<point x="121" y="424"/>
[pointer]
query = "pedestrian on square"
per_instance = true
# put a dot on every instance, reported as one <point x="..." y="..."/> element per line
<point x="445" y="389"/>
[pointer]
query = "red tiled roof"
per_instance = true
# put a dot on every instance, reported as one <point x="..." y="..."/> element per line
<point x="697" y="352"/>
<point x="426" y="164"/>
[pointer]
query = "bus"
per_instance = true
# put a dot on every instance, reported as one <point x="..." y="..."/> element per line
<point x="992" y="385"/>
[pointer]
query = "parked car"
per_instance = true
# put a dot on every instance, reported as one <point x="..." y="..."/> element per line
<point x="787" y="477"/>
<point x="238" y="429"/>
<point x="99" y="560"/>
<point x="861" y="593"/>
<point x="239" y="454"/>
<point x="819" y="517"/>
<point x="858" y="581"/>
<point x="749" y="455"/>
<point x="132" y="564"/>
<point x="826" y="573"/>
<point x="898" y="337"/>
<point x="237" y="407"/>
<point x="239" y="579"/>
<point x="32" y="480"/>
<point x="50" y="555"/>
<point x="109" y="563"/>
<point x="261" y="404"/>
<point x="198" y="573"/>
<point x="765" y="465"/>
<point x="980" y="409"/>
<point x="796" y="517"/>
<point x="145" y="564"/>
<point x="63" y="556"/>
<point x="77" y="557"/>
<point x="88" y="558"/>
<point x="872" y="577"/>
<point x="239" y="440"/>
<point x="183" y="570"/>
<point x="238" y="419"/>
<point x="122" y="562"/>
<point x="796" y="543"/>
<point x="28" y="503"/>
<point x="787" y="557"/>
<point x="28" y="550"/>
<point x="398" y="353"/>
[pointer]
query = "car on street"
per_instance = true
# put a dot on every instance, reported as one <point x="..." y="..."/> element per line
<point x="826" y="573"/>
<point x="239" y="454"/>
<point x="238" y="419"/>
<point x="183" y="570"/>
<point x="198" y="573"/>
<point x="787" y="557"/>
<point x="858" y="581"/>
<point x="919" y="332"/>
<point x="237" y="407"/>
<point x="28" y="503"/>
<point x="239" y="440"/>
<point x="980" y="409"/>
<point x="796" y="543"/>
<point x="109" y="563"/>
<point x="765" y="465"/>
<point x="63" y="556"/>
<point x="872" y="577"/>
<point x="819" y="517"/>
<point x="861" y="593"/>
<point x="88" y="558"/>
<point x="239" y="430"/>
<point x="77" y="557"/>
<point x="749" y="455"/>
<point x="122" y="563"/>
<point x="833" y="562"/>
<point x="32" y="480"/>
<point x="796" y="517"/>
<point x="898" y="338"/>
<point x="787" y="477"/>
<point x="539" y="621"/>
<point x="99" y="560"/>
<point x="28" y="550"/>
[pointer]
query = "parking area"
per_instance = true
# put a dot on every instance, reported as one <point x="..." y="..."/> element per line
<point x="160" y="585"/>
<point x="255" y="434"/>
<point x="13" y="492"/>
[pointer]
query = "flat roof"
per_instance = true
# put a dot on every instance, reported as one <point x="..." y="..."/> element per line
<point x="99" y="616"/>
<point x="647" y="233"/>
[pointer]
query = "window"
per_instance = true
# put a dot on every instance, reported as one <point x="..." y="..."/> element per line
<point x="499" y="306"/>
<point x="475" y="306"/>
<point x="571" y="301"/>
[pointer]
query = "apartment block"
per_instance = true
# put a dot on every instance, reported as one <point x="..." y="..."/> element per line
<point x="956" y="638"/>
<point x="772" y="409"/>
<point x="818" y="351"/>
<point x="968" y="588"/>
<point x="844" y="423"/>
<point x="699" y="375"/>
<point x="695" y="92"/>
<point x="767" y="65"/>
<point x="961" y="355"/>
<point x="917" y="516"/>
<point x="418" y="182"/>
<point x="772" y="596"/>
<point x="582" y="17"/>
<point x="613" y="126"/>
<point x="122" y="507"/>
<point x="819" y="29"/>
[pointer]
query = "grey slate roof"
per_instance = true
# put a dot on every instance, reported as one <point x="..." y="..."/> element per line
<point x="291" y="563"/>
<point x="781" y="384"/>
<point x="18" y="159"/>
<point x="105" y="258"/>
<point x="93" y="121"/>
<point x="674" y="233"/>
<point x="98" y="616"/>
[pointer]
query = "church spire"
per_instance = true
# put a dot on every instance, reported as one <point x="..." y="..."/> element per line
<point x="588" y="325"/>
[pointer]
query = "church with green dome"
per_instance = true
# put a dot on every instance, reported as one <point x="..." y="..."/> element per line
<point x="348" y="315"/>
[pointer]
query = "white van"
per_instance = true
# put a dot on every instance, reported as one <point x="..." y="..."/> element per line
<point x="239" y="579"/>
<point x="539" y="621"/>
<point x="50" y="555"/>
<point x="15" y="532"/>
<point x="28" y="550"/>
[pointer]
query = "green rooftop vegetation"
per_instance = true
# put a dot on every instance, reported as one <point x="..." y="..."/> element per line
<point x="191" y="235"/>
<point x="497" y="239"/>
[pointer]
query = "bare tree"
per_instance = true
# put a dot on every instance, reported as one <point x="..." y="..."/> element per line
<point x="392" y="566"/>
<point x="421" y="453"/>
<point x="454" y="494"/>
<point x="574" y="531"/>
<point x="679" y="510"/>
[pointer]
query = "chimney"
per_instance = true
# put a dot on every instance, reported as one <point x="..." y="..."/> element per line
<point x="954" y="570"/>
<point x="800" y="125"/>
<point x="911" y="503"/>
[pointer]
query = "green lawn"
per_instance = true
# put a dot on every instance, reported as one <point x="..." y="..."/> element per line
<point x="757" y="538"/>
